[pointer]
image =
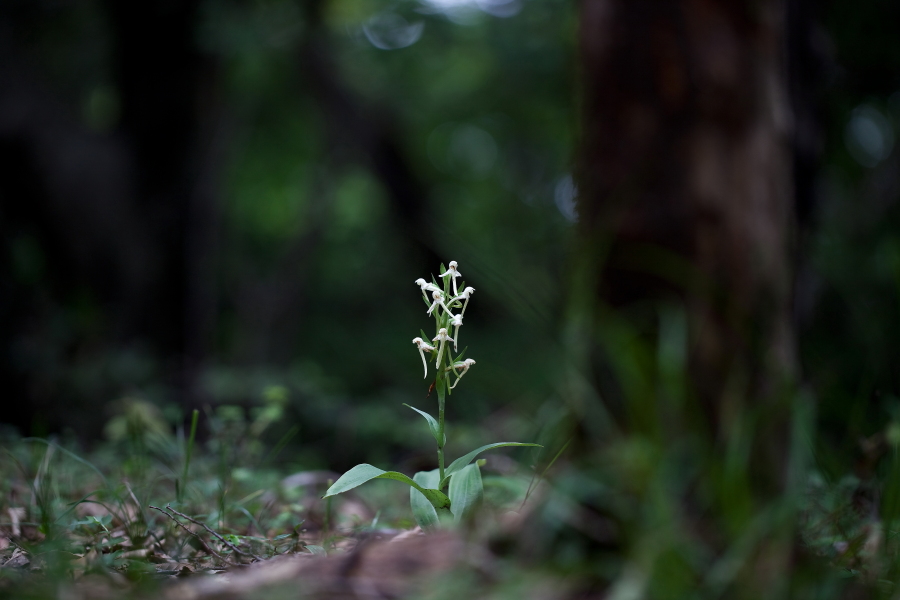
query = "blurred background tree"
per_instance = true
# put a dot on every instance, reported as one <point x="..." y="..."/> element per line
<point x="686" y="234"/>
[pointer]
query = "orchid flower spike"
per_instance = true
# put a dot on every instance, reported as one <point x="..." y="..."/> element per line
<point x="453" y="272"/>
<point x="438" y="300"/>
<point x="465" y="295"/>
<point x="464" y="365"/>
<point x="427" y="287"/>
<point x="456" y="321"/>
<point x="423" y="347"/>
<point x="441" y="337"/>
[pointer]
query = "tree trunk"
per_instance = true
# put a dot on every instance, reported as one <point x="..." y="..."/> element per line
<point x="686" y="164"/>
<point x="686" y="208"/>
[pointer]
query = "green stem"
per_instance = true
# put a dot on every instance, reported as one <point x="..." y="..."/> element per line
<point x="441" y="385"/>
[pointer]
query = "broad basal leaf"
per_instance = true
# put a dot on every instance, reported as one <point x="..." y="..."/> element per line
<point x="360" y="474"/>
<point x="423" y="511"/>
<point x="466" y="491"/>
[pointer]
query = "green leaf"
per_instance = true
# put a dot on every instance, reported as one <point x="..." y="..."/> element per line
<point x="446" y="281"/>
<point x="423" y="511"/>
<point x="461" y="355"/>
<point x="317" y="550"/>
<point x="432" y="425"/>
<point x="466" y="491"/>
<point x="462" y="461"/>
<point x="360" y="474"/>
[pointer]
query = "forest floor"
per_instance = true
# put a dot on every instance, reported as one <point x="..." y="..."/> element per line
<point x="144" y="519"/>
<point x="127" y="524"/>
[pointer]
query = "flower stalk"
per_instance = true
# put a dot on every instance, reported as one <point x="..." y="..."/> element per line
<point x="442" y="354"/>
<point x="441" y="438"/>
<point x="428" y="501"/>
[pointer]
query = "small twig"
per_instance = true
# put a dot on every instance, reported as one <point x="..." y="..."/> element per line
<point x="196" y="535"/>
<point x="214" y="533"/>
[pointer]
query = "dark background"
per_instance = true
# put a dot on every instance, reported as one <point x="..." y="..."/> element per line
<point x="200" y="200"/>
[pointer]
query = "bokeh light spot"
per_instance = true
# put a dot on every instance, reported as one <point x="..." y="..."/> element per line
<point x="472" y="151"/>
<point x="390" y="31"/>
<point x="869" y="136"/>
<point x="564" y="197"/>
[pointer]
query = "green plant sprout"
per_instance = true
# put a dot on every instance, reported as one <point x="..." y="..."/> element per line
<point x="462" y="478"/>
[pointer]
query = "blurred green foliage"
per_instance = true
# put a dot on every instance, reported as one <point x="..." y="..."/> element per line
<point x="313" y="273"/>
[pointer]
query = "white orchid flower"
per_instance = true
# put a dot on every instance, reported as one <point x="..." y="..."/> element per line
<point x="427" y="287"/>
<point x="423" y="347"/>
<point x="438" y="301"/>
<point x="465" y="295"/>
<point x="453" y="272"/>
<point x="441" y="337"/>
<point x="456" y="321"/>
<point x="464" y="365"/>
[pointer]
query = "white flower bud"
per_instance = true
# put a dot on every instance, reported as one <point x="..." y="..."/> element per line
<point x="464" y="365"/>
<point x="427" y="287"/>
<point x="423" y="347"/>
<point x="438" y="301"/>
<point x="453" y="272"/>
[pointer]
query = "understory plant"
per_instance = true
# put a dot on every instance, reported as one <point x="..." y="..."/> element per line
<point x="462" y="478"/>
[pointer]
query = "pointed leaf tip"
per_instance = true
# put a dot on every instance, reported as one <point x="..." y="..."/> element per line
<point x="432" y="422"/>
<point x="464" y="460"/>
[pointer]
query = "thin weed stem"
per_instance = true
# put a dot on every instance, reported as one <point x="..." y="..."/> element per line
<point x="531" y="484"/>
<point x="196" y="535"/>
